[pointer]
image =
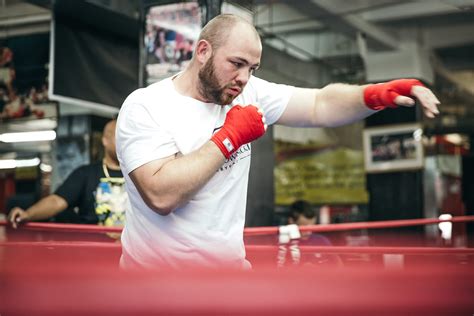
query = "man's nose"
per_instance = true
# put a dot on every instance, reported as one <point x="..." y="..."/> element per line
<point x="243" y="76"/>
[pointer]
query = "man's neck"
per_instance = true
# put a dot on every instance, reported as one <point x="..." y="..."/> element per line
<point x="111" y="163"/>
<point x="186" y="84"/>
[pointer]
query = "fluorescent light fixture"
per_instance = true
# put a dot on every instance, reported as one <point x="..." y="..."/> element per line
<point x="27" y="137"/>
<point x="18" y="163"/>
<point x="7" y="164"/>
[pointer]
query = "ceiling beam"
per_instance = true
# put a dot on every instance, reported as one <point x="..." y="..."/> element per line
<point x="347" y="24"/>
<point x="448" y="35"/>
<point x="464" y="88"/>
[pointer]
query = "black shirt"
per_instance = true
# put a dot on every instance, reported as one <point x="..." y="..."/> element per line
<point x="79" y="191"/>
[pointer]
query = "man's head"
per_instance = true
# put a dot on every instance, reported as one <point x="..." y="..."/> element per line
<point x="302" y="213"/>
<point x="108" y="140"/>
<point x="227" y="52"/>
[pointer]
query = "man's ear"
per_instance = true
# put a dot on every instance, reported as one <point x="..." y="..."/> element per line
<point x="203" y="51"/>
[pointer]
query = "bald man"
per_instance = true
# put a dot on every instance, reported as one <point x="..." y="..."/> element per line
<point x="96" y="190"/>
<point x="184" y="145"/>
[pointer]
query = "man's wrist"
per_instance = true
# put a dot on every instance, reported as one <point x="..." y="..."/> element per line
<point x="27" y="215"/>
<point x="223" y="143"/>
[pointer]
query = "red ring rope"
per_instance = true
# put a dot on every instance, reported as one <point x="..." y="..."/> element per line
<point x="55" y="227"/>
<point x="255" y="231"/>
<point x="261" y="248"/>
<point x="367" y="250"/>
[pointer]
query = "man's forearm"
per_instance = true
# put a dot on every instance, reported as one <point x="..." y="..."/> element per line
<point x="46" y="208"/>
<point x="178" y="180"/>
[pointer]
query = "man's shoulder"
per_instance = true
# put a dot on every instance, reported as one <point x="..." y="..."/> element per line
<point x="257" y="80"/>
<point x="256" y="84"/>
<point x="150" y="94"/>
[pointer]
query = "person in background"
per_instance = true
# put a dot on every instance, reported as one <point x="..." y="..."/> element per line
<point x="96" y="190"/>
<point x="302" y="213"/>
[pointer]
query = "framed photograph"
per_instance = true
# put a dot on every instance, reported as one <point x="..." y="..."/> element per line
<point x="393" y="148"/>
<point x="171" y="32"/>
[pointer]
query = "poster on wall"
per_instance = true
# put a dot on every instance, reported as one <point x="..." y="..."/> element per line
<point x="23" y="78"/>
<point x="171" y="32"/>
<point x="319" y="175"/>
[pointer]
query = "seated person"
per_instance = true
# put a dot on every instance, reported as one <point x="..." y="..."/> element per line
<point x="97" y="190"/>
<point x="302" y="213"/>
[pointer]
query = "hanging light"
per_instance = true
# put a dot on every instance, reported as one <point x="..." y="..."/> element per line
<point x="28" y="136"/>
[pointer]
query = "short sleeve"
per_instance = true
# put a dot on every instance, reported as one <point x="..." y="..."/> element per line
<point x="72" y="189"/>
<point x="140" y="138"/>
<point x="272" y="97"/>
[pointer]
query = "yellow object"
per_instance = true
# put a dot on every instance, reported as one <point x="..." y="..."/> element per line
<point x="320" y="176"/>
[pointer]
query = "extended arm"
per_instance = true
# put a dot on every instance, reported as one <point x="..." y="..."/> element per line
<point x="339" y="104"/>
<point x="43" y="209"/>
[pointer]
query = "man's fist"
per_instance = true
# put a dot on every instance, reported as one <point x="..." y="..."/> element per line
<point x="242" y="125"/>
<point x="382" y="95"/>
<point x="400" y="92"/>
<point x="16" y="216"/>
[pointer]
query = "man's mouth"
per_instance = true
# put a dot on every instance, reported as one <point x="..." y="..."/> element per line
<point x="234" y="90"/>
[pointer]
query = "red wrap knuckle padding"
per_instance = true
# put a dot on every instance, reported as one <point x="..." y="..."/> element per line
<point x="382" y="95"/>
<point x="242" y="125"/>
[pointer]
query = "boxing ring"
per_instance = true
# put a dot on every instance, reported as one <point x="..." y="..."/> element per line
<point x="371" y="268"/>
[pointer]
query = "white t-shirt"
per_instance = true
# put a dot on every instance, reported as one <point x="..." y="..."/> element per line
<point x="156" y="122"/>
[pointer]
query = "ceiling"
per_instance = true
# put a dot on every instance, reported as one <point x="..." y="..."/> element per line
<point x="327" y="30"/>
<point x="362" y="39"/>
<point x="437" y="37"/>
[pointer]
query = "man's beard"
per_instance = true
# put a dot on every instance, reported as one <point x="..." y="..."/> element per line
<point x="209" y="86"/>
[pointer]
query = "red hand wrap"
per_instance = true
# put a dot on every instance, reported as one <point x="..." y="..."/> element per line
<point x="382" y="95"/>
<point x="242" y="125"/>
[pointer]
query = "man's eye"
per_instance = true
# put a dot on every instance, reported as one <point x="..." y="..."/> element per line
<point x="237" y="64"/>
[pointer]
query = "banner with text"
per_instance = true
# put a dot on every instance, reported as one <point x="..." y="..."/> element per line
<point x="330" y="175"/>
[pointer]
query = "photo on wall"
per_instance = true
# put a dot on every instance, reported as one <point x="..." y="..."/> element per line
<point x="23" y="78"/>
<point x="393" y="148"/>
<point x="171" y="32"/>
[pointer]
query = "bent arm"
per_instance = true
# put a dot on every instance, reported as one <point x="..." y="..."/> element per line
<point x="43" y="209"/>
<point x="167" y="183"/>
<point x="46" y="208"/>
<point x="334" y="105"/>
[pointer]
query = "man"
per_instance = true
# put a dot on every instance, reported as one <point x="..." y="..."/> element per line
<point x="95" y="189"/>
<point x="302" y="213"/>
<point x="184" y="145"/>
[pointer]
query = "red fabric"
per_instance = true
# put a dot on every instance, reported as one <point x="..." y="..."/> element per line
<point x="242" y="125"/>
<point x="382" y="95"/>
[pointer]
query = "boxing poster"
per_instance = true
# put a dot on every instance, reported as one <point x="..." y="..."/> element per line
<point x="23" y="78"/>
<point x="171" y="32"/>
